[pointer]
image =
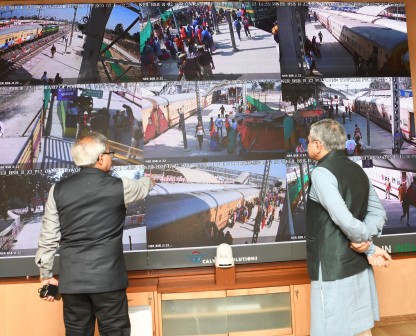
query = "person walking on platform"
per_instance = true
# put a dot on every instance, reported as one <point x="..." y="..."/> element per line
<point x="211" y="126"/>
<point x="199" y="133"/>
<point x="320" y="37"/>
<point x="388" y="189"/>
<point x="179" y="44"/>
<point x="53" y="51"/>
<point x="246" y="25"/>
<point x="357" y="133"/>
<point x="207" y="40"/>
<point x="219" y="123"/>
<point x="206" y="62"/>
<point x="58" y="79"/>
<point x="222" y="110"/>
<point x="237" y="26"/>
<point x="190" y="68"/>
<point x="350" y="145"/>
<point x="44" y="78"/>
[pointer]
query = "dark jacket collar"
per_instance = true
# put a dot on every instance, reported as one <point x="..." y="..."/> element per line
<point x="91" y="170"/>
<point x="332" y="154"/>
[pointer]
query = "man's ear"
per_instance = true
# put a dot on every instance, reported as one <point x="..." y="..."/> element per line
<point x="99" y="160"/>
<point x="319" y="148"/>
<point x="315" y="145"/>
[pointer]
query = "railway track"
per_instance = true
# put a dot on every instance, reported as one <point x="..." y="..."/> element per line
<point x="13" y="60"/>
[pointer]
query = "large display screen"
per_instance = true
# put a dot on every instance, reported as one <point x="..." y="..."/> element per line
<point x="214" y="100"/>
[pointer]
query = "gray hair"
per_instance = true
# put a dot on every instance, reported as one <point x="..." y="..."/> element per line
<point x="330" y="133"/>
<point x="88" y="148"/>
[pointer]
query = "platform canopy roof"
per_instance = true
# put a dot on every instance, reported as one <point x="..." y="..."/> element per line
<point x="197" y="176"/>
<point x="373" y="10"/>
<point x="396" y="164"/>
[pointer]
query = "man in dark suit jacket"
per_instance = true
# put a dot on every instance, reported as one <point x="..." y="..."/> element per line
<point x="84" y="217"/>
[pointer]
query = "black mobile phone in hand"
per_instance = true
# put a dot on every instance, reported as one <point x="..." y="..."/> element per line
<point x="49" y="290"/>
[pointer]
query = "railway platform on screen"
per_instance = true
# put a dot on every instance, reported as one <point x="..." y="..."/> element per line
<point x="9" y="149"/>
<point x="242" y="233"/>
<point x="255" y="57"/>
<point x="66" y="61"/>
<point x="56" y="146"/>
<point x="172" y="139"/>
<point x="335" y="60"/>
<point x="381" y="141"/>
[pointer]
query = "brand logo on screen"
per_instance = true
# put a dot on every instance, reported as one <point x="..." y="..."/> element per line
<point x="196" y="257"/>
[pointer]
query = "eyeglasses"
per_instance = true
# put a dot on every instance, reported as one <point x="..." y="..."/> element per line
<point x="107" y="153"/>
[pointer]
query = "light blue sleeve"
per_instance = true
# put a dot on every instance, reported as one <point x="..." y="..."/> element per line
<point x="376" y="215"/>
<point x="375" y="218"/>
<point x="325" y="191"/>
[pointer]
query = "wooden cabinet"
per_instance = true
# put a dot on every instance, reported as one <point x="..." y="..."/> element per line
<point x="266" y="311"/>
<point x="258" y="299"/>
<point x="142" y="297"/>
<point x="260" y="311"/>
<point x="198" y="313"/>
<point x="22" y="312"/>
<point x="248" y="300"/>
<point x="142" y="313"/>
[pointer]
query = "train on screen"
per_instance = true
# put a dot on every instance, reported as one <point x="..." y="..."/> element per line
<point x="5" y="23"/>
<point x="382" y="21"/>
<point x="378" y="176"/>
<point x="178" y="188"/>
<point x="259" y="13"/>
<point x="17" y="34"/>
<point x="193" y="217"/>
<point x="380" y="110"/>
<point x="163" y="112"/>
<point x="383" y="48"/>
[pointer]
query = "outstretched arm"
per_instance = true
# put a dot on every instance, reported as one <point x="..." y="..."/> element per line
<point x="135" y="190"/>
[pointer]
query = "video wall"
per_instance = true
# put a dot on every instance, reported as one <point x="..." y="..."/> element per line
<point x="212" y="100"/>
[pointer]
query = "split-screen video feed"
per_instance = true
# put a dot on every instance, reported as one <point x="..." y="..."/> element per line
<point x="215" y="101"/>
<point x="23" y="198"/>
